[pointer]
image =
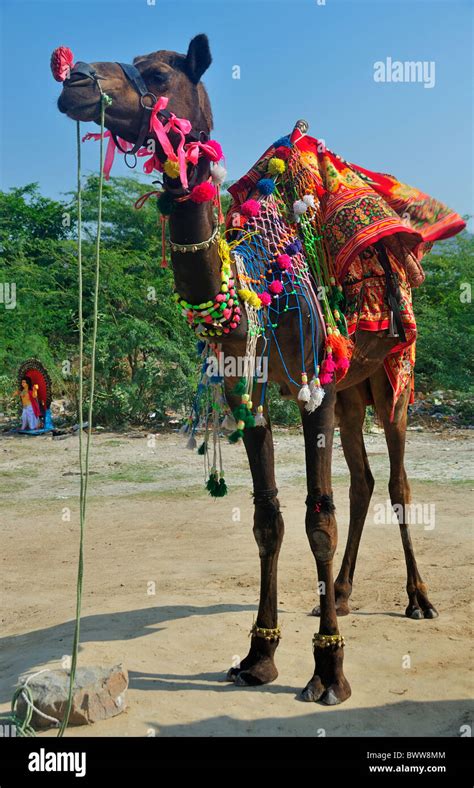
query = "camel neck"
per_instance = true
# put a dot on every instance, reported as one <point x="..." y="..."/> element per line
<point x="197" y="275"/>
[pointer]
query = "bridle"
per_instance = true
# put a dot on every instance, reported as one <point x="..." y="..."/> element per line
<point x="147" y="101"/>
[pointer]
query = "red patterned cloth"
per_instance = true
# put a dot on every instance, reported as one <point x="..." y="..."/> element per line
<point x="355" y="208"/>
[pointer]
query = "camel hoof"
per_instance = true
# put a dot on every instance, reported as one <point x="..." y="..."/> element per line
<point x="246" y="679"/>
<point x="310" y="694"/>
<point x="232" y="674"/>
<point x="414" y="613"/>
<point x="431" y="612"/>
<point x="336" y="694"/>
<point x="330" y="698"/>
<point x="342" y="609"/>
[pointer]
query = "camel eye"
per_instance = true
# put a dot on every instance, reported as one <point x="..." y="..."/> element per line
<point x="157" y="76"/>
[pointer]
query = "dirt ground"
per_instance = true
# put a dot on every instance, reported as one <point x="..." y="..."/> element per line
<point x="171" y="584"/>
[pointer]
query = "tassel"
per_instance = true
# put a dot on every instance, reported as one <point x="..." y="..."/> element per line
<point x="342" y="364"/>
<point x="218" y="205"/>
<point x="164" y="262"/>
<point x="212" y="484"/>
<point x="191" y="444"/>
<point x="327" y="369"/>
<point x="184" y="429"/>
<point x="229" y="423"/>
<point x="260" y="420"/>
<point x="317" y="395"/>
<point x="203" y="448"/>
<point x="341" y="346"/>
<point x="222" y="487"/>
<point x="304" y="394"/>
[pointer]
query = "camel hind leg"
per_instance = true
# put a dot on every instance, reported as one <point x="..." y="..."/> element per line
<point x="419" y="606"/>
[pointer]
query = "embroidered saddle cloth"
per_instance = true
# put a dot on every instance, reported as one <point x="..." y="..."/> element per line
<point x="352" y="209"/>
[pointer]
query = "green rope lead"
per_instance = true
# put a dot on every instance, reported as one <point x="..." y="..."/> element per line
<point x="84" y="462"/>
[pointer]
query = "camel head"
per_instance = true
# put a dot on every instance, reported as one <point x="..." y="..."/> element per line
<point x="165" y="73"/>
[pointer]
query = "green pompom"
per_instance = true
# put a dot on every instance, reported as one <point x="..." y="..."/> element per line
<point x="240" y="387"/>
<point x="165" y="203"/>
<point x="235" y="436"/>
<point x="240" y="412"/>
<point x="249" y="419"/>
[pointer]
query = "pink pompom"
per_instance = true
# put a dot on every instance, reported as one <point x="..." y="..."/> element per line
<point x="265" y="299"/>
<point x="220" y="297"/>
<point x="284" y="261"/>
<point x="342" y="363"/>
<point x="203" y="192"/>
<point x="328" y="368"/>
<point x="227" y="313"/>
<point x="325" y="378"/>
<point x="328" y="364"/>
<point x="276" y="287"/>
<point x="61" y="63"/>
<point x="218" y="154"/>
<point x="250" y="208"/>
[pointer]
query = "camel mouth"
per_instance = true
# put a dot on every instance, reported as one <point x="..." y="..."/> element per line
<point x="86" y="111"/>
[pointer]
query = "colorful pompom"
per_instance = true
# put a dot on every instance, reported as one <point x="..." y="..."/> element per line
<point x="276" y="287"/>
<point x="291" y="249"/>
<point x="165" y="203"/>
<point x="250" y="208"/>
<point x="328" y="368"/>
<point x="203" y="192"/>
<point x="284" y="262"/>
<point x="299" y="207"/>
<point x="282" y="141"/>
<point x="171" y="168"/>
<point x="218" y="174"/>
<point x="276" y="166"/>
<point x="265" y="298"/>
<point x="266" y="186"/>
<point x="62" y="61"/>
<point x="217" y="148"/>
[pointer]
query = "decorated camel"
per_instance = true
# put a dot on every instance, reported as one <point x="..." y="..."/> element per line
<point x="313" y="275"/>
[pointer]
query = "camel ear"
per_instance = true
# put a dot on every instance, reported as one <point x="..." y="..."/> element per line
<point x="198" y="58"/>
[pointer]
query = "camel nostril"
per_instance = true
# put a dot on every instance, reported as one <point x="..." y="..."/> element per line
<point x="77" y="80"/>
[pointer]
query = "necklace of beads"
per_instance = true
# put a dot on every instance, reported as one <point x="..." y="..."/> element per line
<point x="220" y="315"/>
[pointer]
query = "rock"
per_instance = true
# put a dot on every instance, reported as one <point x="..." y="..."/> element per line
<point x="99" y="693"/>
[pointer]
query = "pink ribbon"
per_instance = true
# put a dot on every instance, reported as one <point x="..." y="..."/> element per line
<point x="111" y="149"/>
<point x="185" y="153"/>
<point x="179" y="125"/>
<point x="194" y="150"/>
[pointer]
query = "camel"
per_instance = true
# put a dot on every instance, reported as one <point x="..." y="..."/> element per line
<point x="197" y="279"/>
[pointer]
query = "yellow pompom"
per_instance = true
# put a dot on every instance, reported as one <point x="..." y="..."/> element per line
<point x="171" y="168"/>
<point x="276" y="166"/>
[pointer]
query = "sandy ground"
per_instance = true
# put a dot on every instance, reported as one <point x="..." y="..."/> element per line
<point x="171" y="588"/>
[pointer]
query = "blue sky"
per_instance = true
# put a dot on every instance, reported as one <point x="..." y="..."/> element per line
<point x="297" y="58"/>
